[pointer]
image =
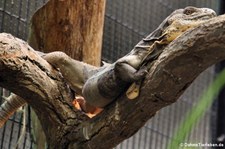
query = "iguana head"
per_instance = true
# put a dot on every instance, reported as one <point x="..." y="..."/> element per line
<point x="192" y="14"/>
<point x="179" y="21"/>
<point x="183" y="19"/>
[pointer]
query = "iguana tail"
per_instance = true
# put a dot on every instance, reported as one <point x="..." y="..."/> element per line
<point x="9" y="107"/>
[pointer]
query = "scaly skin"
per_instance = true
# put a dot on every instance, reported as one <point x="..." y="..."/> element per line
<point x="9" y="107"/>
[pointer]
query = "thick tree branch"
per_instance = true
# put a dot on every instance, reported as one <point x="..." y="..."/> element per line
<point x="28" y="75"/>
<point x="180" y="63"/>
<point x="25" y="73"/>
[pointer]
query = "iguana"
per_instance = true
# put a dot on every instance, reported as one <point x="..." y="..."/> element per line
<point x="109" y="83"/>
<point x="105" y="84"/>
<point x="100" y="86"/>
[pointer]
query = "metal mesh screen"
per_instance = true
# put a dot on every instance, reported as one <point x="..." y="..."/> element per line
<point x="126" y="22"/>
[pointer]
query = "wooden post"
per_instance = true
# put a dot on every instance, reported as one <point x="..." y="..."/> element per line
<point x="72" y="26"/>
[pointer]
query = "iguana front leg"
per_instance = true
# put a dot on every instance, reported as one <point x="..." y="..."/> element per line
<point x="130" y="74"/>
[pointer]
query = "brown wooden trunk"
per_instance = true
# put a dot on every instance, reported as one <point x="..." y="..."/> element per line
<point x="72" y="26"/>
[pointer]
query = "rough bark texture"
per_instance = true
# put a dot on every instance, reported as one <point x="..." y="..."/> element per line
<point x="72" y="26"/>
<point x="46" y="85"/>
<point x="28" y="75"/>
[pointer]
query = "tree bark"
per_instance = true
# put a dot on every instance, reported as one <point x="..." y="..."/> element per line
<point x="23" y="72"/>
<point x="71" y="26"/>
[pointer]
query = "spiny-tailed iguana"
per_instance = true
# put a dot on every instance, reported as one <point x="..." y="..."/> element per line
<point x="106" y="85"/>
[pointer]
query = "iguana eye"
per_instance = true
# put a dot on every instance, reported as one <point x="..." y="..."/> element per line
<point x="189" y="10"/>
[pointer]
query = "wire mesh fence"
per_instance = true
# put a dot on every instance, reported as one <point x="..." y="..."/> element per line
<point x="126" y="22"/>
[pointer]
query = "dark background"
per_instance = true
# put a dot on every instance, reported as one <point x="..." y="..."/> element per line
<point x="126" y="22"/>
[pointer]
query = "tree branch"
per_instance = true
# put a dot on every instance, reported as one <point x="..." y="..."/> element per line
<point x="179" y="64"/>
<point x="28" y="75"/>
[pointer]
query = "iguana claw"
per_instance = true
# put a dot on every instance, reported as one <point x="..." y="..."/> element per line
<point x="133" y="91"/>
